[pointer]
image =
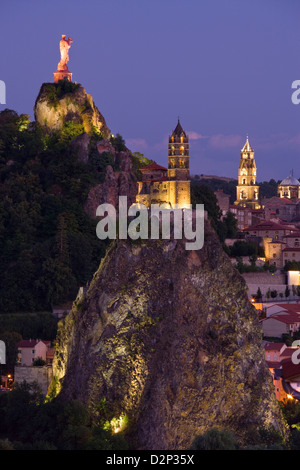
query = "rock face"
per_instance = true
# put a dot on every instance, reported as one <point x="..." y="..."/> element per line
<point x="116" y="183"/>
<point x="55" y="106"/>
<point x="169" y="339"/>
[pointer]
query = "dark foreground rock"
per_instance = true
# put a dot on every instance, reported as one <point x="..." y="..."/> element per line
<point x="167" y="339"/>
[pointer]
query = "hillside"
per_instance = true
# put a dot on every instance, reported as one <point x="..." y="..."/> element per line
<point x="52" y="179"/>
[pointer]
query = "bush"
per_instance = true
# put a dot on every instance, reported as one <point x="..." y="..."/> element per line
<point x="215" y="439"/>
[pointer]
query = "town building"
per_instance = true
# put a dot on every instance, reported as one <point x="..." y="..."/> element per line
<point x="285" y="373"/>
<point x="169" y="186"/>
<point x="289" y="188"/>
<point x="32" y="349"/>
<point x="247" y="191"/>
<point x="285" y="321"/>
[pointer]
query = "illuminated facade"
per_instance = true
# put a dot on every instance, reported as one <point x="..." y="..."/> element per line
<point x="170" y="185"/>
<point x="247" y="191"/>
<point x="289" y="188"/>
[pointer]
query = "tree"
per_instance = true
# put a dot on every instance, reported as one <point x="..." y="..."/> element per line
<point x="259" y="294"/>
<point x="287" y="291"/>
<point x="231" y="225"/>
<point x="215" y="439"/>
<point x="274" y="294"/>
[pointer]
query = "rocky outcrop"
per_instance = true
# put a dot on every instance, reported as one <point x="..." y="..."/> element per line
<point x="81" y="145"/>
<point x="167" y="340"/>
<point x="56" y="105"/>
<point x="117" y="183"/>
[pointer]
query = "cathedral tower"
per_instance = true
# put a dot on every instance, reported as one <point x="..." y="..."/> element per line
<point x="179" y="168"/>
<point x="247" y="192"/>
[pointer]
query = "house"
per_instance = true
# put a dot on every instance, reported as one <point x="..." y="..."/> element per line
<point x="285" y="374"/>
<point x="278" y="308"/>
<point x="284" y="322"/>
<point x="281" y="208"/>
<point x="270" y="229"/>
<point x="31" y="349"/>
<point x="273" y="351"/>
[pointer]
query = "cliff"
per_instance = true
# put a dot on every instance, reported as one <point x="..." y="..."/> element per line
<point x="64" y="102"/>
<point x="166" y="345"/>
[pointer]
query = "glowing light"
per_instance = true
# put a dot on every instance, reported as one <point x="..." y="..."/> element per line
<point x="290" y="397"/>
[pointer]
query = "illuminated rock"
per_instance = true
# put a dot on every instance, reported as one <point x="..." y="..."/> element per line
<point x="167" y="338"/>
<point x="61" y="103"/>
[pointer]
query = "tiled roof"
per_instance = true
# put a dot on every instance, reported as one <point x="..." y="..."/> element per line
<point x="288" y="318"/>
<point x="291" y="249"/>
<point x="153" y="166"/>
<point x="290" y="370"/>
<point x="269" y="226"/>
<point x="30" y="343"/>
<point x="274" y="346"/>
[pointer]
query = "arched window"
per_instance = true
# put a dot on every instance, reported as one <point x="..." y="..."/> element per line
<point x="182" y="150"/>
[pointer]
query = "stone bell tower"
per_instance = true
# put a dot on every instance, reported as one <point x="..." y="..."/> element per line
<point x="247" y="191"/>
<point x="179" y="168"/>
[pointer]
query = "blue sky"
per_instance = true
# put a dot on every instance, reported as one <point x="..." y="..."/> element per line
<point x="224" y="66"/>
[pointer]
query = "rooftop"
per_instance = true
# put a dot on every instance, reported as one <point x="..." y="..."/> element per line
<point x="153" y="166"/>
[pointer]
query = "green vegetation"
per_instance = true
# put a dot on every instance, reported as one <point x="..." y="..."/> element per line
<point x="48" y="246"/>
<point x="244" y="248"/>
<point x="56" y="91"/>
<point x="292" y="266"/>
<point x="223" y="439"/>
<point x="203" y="194"/>
<point x="29" y="423"/>
<point x="266" y="188"/>
<point x="228" y="187"/>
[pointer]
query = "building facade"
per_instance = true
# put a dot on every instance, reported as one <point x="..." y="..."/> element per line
<point x="289" y="188"/>
<point x="170" y="186"/>
<point x="247" y="191"/>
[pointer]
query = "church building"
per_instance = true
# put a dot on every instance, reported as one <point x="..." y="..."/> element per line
<point x="247" y="191"/>
<point x="170" y="185"/>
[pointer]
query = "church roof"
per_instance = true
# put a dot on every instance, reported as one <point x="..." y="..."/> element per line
<point x="153" y="166"/>
<point x="290" y="181"/>
<point x="178" y="130"/>
<point x="247" y="147"/>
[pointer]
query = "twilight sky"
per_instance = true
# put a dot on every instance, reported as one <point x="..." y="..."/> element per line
<point x="224" y="66"/>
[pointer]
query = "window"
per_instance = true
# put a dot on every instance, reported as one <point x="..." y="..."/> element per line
<point x="33" y="351"/>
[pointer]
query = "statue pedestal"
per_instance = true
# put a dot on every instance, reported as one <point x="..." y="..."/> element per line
<point x="62" y="75"/>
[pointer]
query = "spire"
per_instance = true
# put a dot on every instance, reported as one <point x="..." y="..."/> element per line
<point x="247" y="147"/>
<point x="178" y="130"/>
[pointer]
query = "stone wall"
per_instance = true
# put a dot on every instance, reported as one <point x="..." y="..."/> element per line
<point x="42" y="375"/>
<point x="264" y="281"/>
